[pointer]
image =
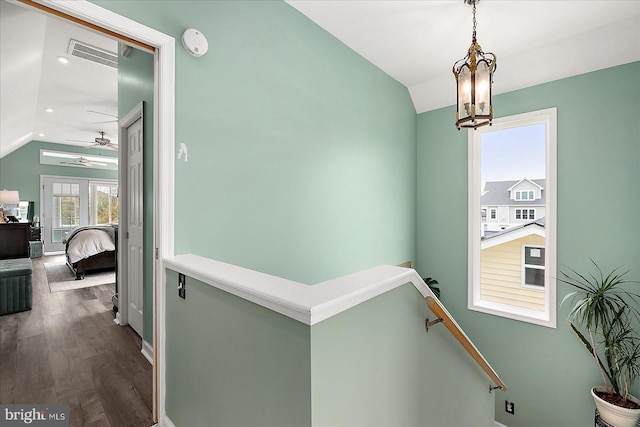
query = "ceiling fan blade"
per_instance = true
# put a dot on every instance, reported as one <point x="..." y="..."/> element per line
<point x="76" y="164"/>
<point x="108" y="121"/>
<point x="78" y="140"/>
<point x="104" y="114"/>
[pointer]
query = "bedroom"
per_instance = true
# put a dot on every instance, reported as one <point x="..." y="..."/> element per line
<point x="84" y="97"/>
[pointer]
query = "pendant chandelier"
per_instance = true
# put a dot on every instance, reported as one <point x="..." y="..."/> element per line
<point x="474" y="77"/>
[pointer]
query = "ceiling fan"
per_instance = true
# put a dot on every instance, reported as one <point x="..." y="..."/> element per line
<point x="104" y="114"/>
<point x="99" y="142"/>
<point x="83" y="161"/>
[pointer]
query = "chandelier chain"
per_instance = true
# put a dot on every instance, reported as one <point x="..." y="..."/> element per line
<point x="474" y="21"/>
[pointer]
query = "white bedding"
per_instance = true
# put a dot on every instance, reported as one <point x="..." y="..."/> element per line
<point x="88" y="243"/>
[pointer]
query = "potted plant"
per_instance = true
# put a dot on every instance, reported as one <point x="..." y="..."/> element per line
<point x="431" y="283"/>
<point x="604" y="317"/>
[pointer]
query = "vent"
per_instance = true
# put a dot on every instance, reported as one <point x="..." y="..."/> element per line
<point x="93" y="53"/>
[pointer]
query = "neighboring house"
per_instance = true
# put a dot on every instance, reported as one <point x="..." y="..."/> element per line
<point x="513" y="265"/>
<point x="506" y="204"/>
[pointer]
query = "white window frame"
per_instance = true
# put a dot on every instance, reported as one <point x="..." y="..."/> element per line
<point x="536" y="267"/>
<point x="547" y="317"/>
<point x="493" y="213"/>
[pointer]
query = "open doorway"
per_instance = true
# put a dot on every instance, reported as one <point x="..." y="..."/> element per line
<point x="163" y="85"/>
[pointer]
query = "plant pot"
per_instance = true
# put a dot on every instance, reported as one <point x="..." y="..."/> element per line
<point x="616" y="415"/>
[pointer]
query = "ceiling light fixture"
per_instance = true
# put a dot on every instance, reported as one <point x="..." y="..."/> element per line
<point x="49" y="110"/>
<point x="63" y="60"/>
<point x="474" y="78"/>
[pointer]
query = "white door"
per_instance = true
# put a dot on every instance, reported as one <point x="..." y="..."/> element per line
<point x="66" y="206"/>
<point x="135" y="236"/>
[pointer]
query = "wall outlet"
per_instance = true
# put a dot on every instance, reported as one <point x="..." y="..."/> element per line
<point x="509" y="407"/>
<point x="182" y="281"/>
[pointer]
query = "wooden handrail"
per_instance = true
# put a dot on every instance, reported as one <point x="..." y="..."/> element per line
<point x="436" y="307"/>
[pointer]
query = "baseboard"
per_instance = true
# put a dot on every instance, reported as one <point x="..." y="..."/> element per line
<point x="166" y="422"/>
<point x="147" y="351"/>
<point x="497" y="424"/>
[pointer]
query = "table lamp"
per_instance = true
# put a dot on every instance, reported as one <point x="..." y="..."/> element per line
<point x="7" y="198"/>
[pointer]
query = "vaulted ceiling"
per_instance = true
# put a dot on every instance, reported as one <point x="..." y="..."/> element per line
<point x="415" y="42"/>
<point x="33" y="80"/>
<point x="535" y="41"/>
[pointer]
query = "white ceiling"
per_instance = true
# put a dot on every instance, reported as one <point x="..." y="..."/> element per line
<point x="32" y="79"/>
<point x="535" y="41"/>
<point x="415" y="42"/>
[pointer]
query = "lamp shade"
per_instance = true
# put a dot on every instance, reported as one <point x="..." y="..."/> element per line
<point x="9" y="197"/>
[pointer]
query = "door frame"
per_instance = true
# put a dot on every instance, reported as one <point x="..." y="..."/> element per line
<point x="122" y="317"/>
<point x="122" y="29"/>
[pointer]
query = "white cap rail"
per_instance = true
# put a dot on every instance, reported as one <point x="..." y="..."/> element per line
<point x="313" y="304"/>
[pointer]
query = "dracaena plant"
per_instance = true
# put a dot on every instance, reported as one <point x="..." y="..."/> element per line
<point x="605" y="316"/>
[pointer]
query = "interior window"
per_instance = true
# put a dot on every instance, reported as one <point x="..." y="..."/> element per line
<point x="512" y="168"/>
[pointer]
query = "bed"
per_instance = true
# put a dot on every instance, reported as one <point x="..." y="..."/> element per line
<point x="89" y="248"/>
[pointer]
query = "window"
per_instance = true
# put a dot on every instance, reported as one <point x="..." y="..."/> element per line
<point x="65" y="213"/>
<point x="493" y="214"/>
<point x="512" y="269"/>
<point x="525" y="214"/>
<point x="533" y="266"/>
<point x="524" y="195"/>
<point x="103" y="202"/>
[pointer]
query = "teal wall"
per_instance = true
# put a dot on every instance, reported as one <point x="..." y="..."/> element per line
<point x="301" y="153"/>
<point x="548" y="372"/>
<point x="21" y="169"/>
<point x="257" y="361"/>
<point x="135" y="84"/>
<point x="374" y="365"/>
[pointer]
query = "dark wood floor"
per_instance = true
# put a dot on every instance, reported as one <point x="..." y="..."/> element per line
<point x="67" y="349"/>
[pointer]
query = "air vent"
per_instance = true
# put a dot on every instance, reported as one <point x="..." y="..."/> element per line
<point x="93" y="53"/>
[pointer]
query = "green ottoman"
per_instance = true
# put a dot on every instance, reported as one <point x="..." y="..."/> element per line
<point x="15" y="285"/>
<point x="35" y="249"/>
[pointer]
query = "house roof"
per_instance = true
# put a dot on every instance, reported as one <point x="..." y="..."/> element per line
<point x="528" y="180"/>
<point x="496" y="193"/>
<point x="534" y="227"/>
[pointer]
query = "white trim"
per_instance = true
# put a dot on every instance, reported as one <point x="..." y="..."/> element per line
<point x="307" y="304"/>
<point x="147" y="351"/>
<point x="497" y="424"/>
<point x="548" y="317"/>
<point x="163" y="148"/>
<point x="166" y="422"/>
<point x="521" y="181"/>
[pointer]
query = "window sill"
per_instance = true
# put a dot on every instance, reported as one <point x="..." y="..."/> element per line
<point x="514" y="313"/>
